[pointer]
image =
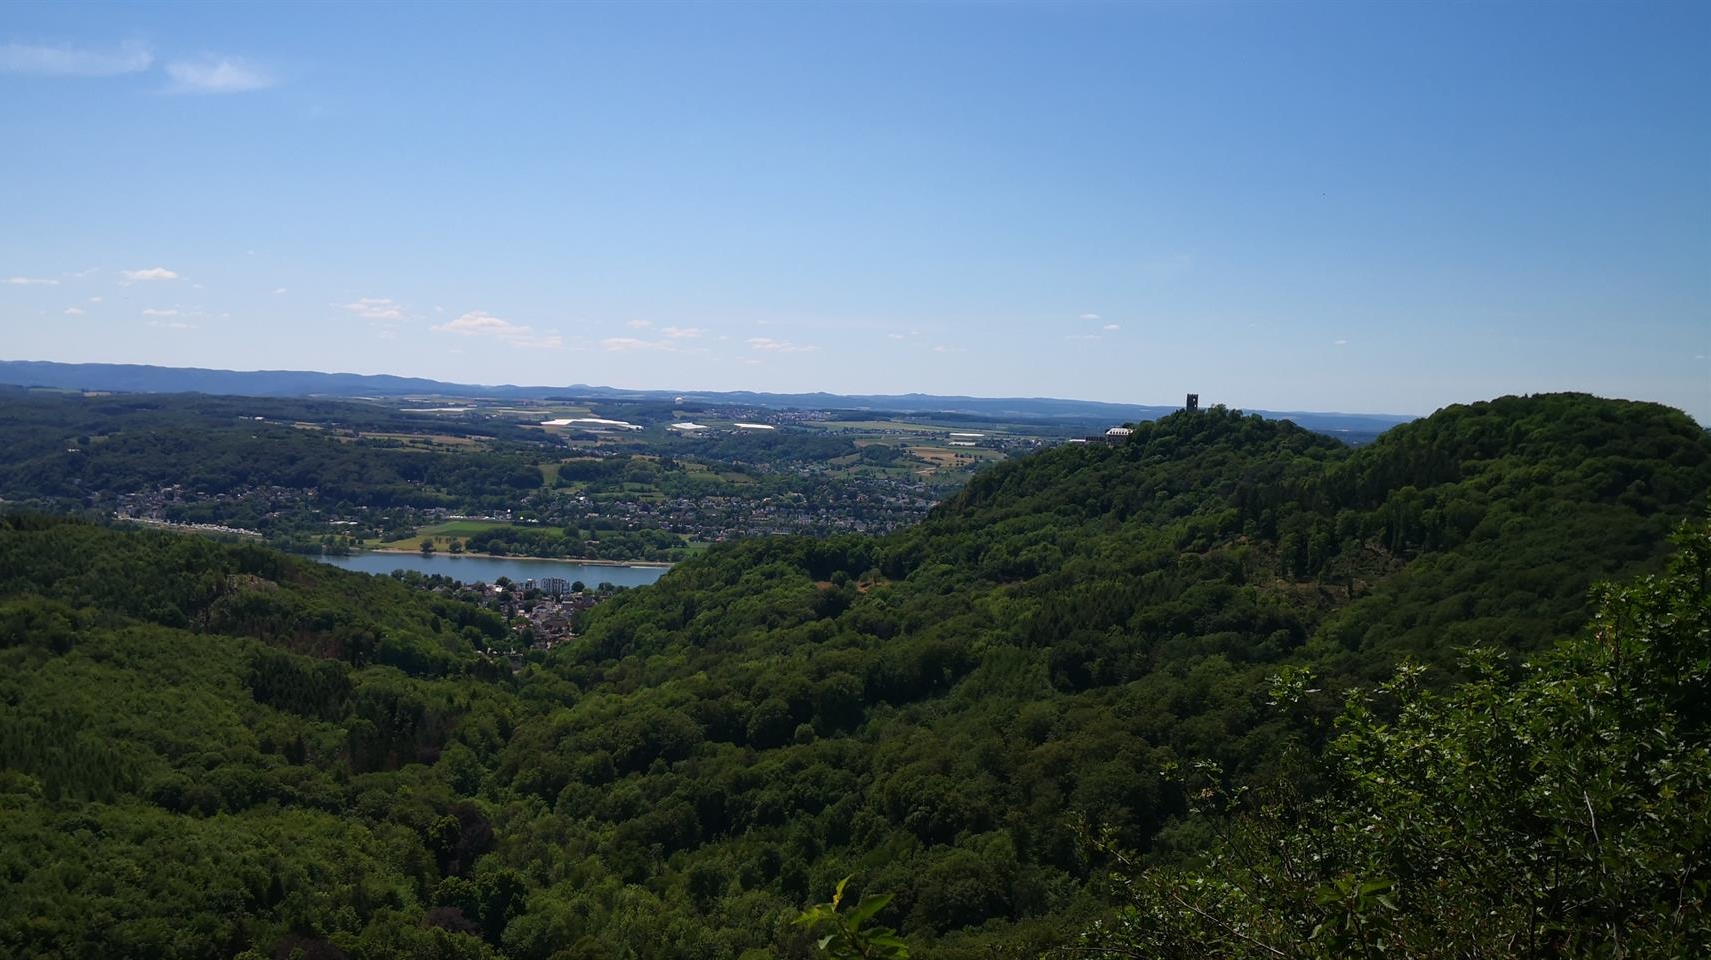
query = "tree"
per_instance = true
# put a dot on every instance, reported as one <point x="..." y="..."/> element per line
<point x="1563" y="813"/>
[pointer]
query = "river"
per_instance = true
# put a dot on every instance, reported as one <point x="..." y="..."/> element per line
<point x="473" y="567"/>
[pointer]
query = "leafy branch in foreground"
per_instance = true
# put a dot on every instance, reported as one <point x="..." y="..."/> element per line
<point x="1562" y="813"/>
<point x="845" y="936"/>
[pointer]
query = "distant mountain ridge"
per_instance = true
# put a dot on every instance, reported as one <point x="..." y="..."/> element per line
<point x="143" y="378"/>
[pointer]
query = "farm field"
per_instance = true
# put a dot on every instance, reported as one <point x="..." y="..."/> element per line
<point x="432" y="441"/>
<point x="871" y="426"/>
<point x="443" y="531"/>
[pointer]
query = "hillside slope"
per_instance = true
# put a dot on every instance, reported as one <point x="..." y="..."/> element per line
<point x="932" y="711"/>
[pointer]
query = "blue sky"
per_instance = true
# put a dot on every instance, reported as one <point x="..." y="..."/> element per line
<point x="1383" y="207"/>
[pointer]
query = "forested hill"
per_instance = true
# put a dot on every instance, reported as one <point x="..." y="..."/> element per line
<point x="930" y="709"/>
<point x="1482" y="522"/>
<point x="934" y="712"/>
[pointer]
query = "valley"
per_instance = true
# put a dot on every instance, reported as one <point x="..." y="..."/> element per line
<point x="963" y="712"/>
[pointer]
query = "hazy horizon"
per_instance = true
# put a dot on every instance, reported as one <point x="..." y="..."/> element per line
<point x="676" y="388"/>
<point x="1379" y="208"/>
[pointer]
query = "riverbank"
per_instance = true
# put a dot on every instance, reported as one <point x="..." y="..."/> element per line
<point x="483" y="568"/>
<point x="660" y="564"/>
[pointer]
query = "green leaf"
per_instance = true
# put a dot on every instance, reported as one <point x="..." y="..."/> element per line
<point x="870" y="905"/>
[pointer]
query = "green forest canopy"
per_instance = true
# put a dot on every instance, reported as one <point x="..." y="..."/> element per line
<point x="211" y="749"/>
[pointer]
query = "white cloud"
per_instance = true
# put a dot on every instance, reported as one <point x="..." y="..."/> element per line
<point x="44" y="61"/>
<point x="1110" y="327"/>
<point x="638" y="324"/>
<point x="278" y="290"/>
<point x="378" y="309"/>
<point x="479" y="323"/>
<point x="73" y="311"/>
<point x="941" y="348"/>
<point x="683" y="333"/>
<point x="778" y="346"/>
<point x="32" y="282"/>
<point x="620" y="344"/>
<point x="1094" y="317"/>
<point x="168" y="324"/>
<point x="151" y="273"/>
<point x="216" y="75"/>
<point x="383" y="312"/>
<point x="152" y="312"/>
<point x="94" y="299"/>
<point x="1339" y="343"/>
